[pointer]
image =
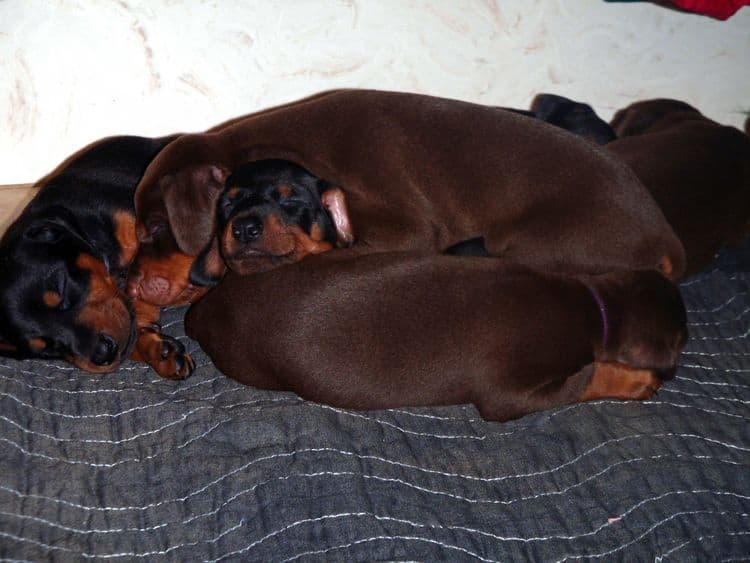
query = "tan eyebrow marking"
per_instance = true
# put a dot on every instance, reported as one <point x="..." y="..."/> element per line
<point x="52" y="299"/>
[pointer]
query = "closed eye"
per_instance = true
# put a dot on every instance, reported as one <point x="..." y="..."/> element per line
<point x="56" y="296"/>
<point x="290" y="205"/>
<point x="157" y="227"/>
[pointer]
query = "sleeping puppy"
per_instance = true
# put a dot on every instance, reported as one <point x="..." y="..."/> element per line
<point x="64" y="262"/>
<point x="697" y="170"/>
<point x="420" y="174"/>
<point x="274" y="212"/>
<point x="399" y="329"/>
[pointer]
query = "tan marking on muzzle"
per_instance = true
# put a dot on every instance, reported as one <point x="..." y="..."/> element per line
<point x="105" y="310"/>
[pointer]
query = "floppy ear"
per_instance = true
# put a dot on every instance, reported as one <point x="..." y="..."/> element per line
<point x="209" y="267"/>
<point x="190" y="199"/>
<point x="53" y="226"/>
<point x="334" y="201"/>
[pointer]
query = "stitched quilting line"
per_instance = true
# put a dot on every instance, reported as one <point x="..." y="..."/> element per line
<point x="151" y="391"/>
<point x="294" y="453"/>
<point x="716" y="383"/>
<point x="491" y="535"/>
<point x="715" y="368"/>
<point x="390" y="538"/>
<point x="709" y="275"/>
<point x="218" y="407"/>
<point x="723" y="321"/>
<point x="720" y="306"/>
<point x="649" y="530"/>
<point x="660" y="558"/>
<point x="704" y="396"/>
<point x="395" y="520"/>
<point x="715" y="354"/>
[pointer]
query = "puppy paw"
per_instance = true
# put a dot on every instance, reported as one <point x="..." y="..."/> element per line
<point x="617" y="381"/>
<point x="163" y="353"/>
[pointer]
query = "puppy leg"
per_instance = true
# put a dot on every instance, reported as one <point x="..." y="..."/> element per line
<point x="595" y="381"/>
<point x="617" y="381"/>
<point x="163" y="353"/>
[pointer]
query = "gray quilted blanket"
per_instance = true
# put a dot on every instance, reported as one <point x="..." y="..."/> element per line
<point x="130" y="467"/>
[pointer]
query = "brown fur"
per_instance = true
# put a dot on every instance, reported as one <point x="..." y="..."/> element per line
<point x="394" y="329"/>
<point x="421" y="174"/>
<point x="697" y="170"/>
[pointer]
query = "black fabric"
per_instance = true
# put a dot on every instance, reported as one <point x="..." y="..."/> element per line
<point x="127" y="466"/>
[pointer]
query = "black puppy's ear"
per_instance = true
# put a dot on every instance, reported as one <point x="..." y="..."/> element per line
<point x="56" y="223"/>
<point x="209" y="267"/>
<point x="45" y="232"/>
<point x="334" y="201"/>
<point x="190" y="199"/>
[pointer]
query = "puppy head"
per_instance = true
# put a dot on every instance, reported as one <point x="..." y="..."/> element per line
<point x="646" y="319"/>
<point x="642" y="117"/>
<point x="274" y="212"/>
<point x="572" y="116"/>
<point x="59" y="299"/>
<point x="175" y="223"/>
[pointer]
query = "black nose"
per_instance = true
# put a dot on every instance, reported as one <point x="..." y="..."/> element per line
<point x="247" y="229"/>
<point x="105" y="351"/>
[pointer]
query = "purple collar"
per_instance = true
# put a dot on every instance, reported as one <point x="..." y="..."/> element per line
<point x="602" y="312"/>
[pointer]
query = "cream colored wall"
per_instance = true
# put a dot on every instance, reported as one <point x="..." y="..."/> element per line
<point x="74" y="71"/>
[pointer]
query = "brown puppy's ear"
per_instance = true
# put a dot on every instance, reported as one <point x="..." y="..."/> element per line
<point x="209" y="266"/>
<point x="190" y="199"/>
<point x="334" y="201"/>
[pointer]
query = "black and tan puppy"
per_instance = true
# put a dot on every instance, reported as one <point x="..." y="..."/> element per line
<point x="394" y="329"/>
<point x="274" y="212"/>
<point x="420" y="174"/>
<point x="64" y="262"/>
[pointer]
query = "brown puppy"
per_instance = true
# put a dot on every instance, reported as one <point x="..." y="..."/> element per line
<point x="396" y="329"/>
<point x="697" y="170"/>
<point x="419" y="173"/>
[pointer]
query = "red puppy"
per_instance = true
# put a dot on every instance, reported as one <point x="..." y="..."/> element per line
<point x="418" y="173"/>
<point x="697" y="170"/>
<point x="394" y="329"/>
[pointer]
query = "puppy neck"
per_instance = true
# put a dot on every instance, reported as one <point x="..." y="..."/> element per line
<point x="602" y="308"/>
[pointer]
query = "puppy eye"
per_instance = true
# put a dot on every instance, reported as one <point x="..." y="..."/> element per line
<point x="156" y="228"/>
<point x="226" y="202"/>
<point x="290" y="205"/>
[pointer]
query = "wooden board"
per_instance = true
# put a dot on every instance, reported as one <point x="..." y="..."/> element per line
<point x="13" y="198"/>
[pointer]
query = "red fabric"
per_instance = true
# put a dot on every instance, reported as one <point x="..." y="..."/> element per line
<point x="720" y="9"/>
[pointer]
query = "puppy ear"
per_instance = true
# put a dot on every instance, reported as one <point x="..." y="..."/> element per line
<point x="209" y="266"/>
<point x="53" y="226"/>
<point x="334" y="201"/>
<point x="544" y="105"/>
<point x="190" y="199"/>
